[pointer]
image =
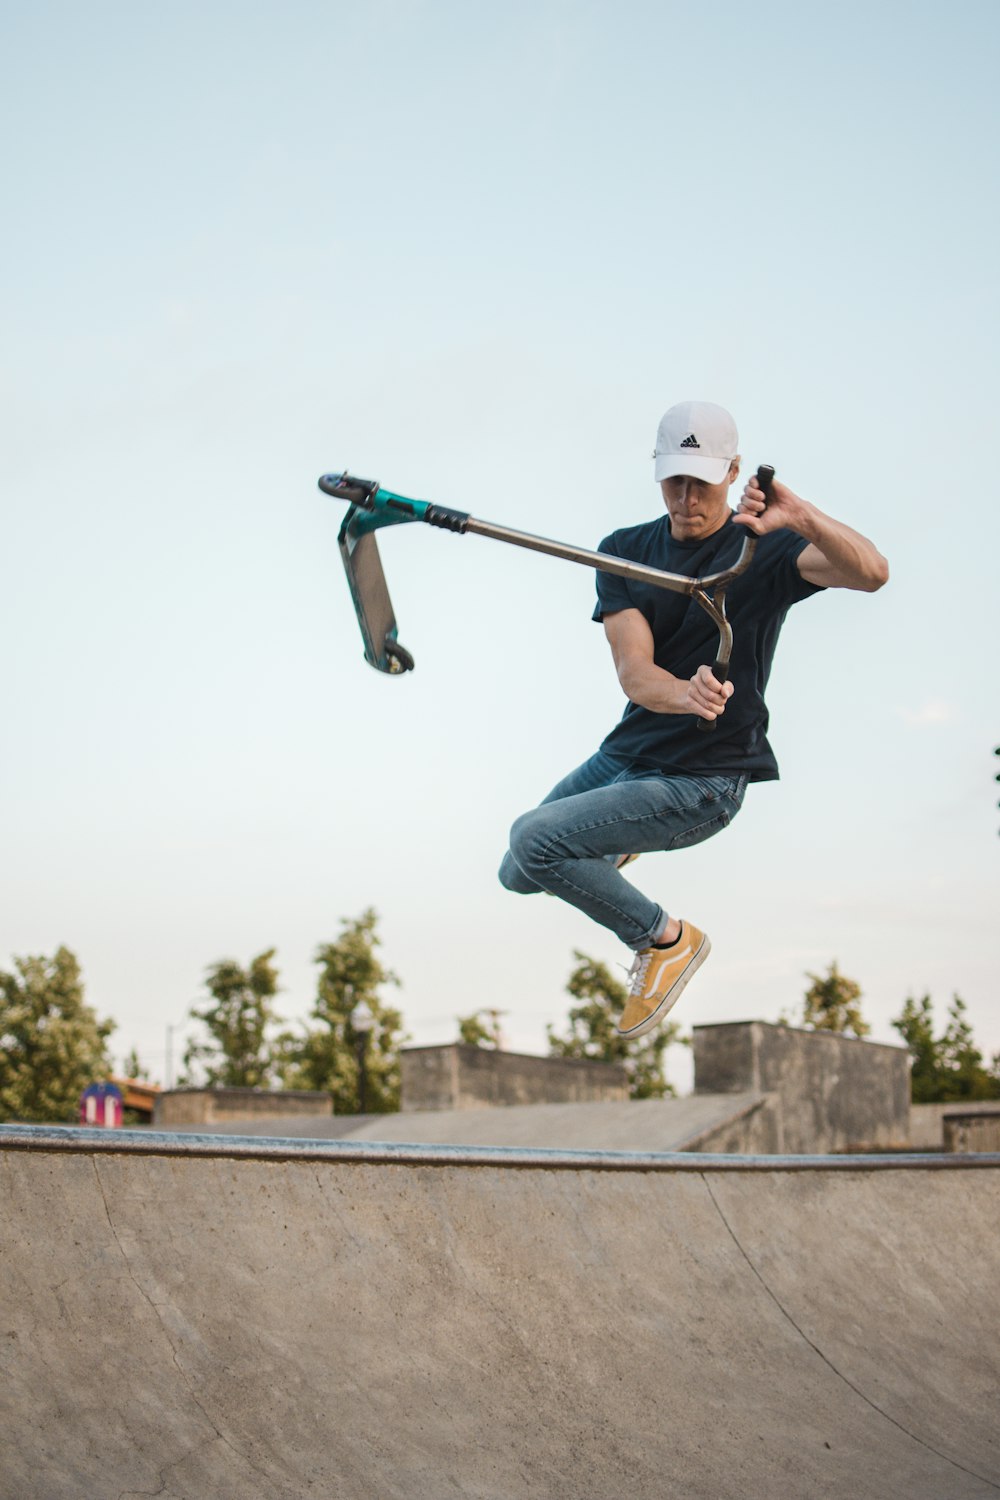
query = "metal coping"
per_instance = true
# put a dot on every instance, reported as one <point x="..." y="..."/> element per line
<point x="83" y="1140"/>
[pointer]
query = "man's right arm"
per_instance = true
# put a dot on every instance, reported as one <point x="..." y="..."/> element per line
<point x="650" y="686"/>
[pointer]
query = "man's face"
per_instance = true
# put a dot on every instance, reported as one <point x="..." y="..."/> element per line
<point x="697" y="508"/>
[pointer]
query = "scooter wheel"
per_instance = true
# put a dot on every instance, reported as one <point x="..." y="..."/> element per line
<point x="398" y="657"/>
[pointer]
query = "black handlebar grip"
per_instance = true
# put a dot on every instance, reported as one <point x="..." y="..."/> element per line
<point x="449" y="520"/>
<point x="765" y="473"/>
<point x="720" y="671"/>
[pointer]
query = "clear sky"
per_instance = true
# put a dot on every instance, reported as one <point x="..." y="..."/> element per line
<point x="474" y="250"/>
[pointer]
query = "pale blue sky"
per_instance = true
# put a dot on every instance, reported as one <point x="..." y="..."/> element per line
<point x="475" y="251"/>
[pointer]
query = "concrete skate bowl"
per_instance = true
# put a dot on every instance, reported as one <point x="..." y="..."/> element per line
<point x="221" y="1319"/>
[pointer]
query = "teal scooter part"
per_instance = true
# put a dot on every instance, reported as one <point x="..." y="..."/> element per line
<point x="370" y="509"/>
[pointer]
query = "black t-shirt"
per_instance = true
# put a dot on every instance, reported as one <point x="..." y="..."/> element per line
<point x="684" y="637"/>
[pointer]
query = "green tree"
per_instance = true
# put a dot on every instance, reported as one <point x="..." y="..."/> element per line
<point x="962" y="1059"/>
<point x="238" y="1053"/>
<point x="327" y="1057"/>
<point x="831" y="1004"/>
<point x="950" y="1067"/>
<point x="592" y="1031"/>
<point x="481" y="1029"/>
<point x="52" y="1044"/>
<point x="916" y="1026"/>
<point x="134" y="1067"/>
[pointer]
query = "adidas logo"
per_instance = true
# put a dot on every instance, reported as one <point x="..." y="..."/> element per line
<point x="690" y="441"/>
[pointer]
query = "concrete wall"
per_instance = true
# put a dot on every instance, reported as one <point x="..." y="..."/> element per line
<point x="464" y="1077"/>
<point x="939" y="1127"/>
<point x="927" y="1127"/>
<point x="204" y="1106"/>
<point x="836" y="1093"/>
<point x="756" y="1130"/>
<point x="972" y="1129"/>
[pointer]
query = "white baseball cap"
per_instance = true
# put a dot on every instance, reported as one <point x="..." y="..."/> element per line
<point x="696" y="438"/>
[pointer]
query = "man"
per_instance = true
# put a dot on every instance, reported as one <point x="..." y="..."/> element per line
<point x="657" y="782"/>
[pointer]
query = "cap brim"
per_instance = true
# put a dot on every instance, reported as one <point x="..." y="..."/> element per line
<point x="712" y="470"/>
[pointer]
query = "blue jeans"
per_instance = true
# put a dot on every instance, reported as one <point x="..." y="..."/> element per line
<point x="603" y="809"/>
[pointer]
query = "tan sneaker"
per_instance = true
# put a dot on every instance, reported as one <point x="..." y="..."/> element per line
<point x="658" y="976"/>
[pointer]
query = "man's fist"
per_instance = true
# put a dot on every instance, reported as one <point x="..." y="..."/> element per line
<point x="706" y="696"/>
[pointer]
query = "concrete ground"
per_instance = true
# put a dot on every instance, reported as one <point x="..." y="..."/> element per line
<point x="195" y="1317"/>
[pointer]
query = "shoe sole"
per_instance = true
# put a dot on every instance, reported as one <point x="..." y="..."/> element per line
<point x="672" y="996"/>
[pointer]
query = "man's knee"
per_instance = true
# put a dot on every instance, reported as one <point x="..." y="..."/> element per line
<point x="513" y="878"/>
<point x="523" y="844"/>
<point x="521" y="866"/>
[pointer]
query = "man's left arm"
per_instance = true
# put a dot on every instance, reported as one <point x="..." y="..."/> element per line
<point x="837" y="557"/>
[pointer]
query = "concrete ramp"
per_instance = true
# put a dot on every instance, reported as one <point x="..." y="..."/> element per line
<point x="694" y="1122"/>
<point x="196" y="1317"/>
